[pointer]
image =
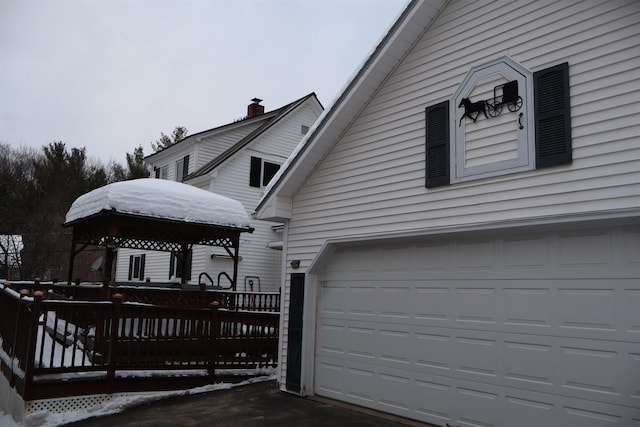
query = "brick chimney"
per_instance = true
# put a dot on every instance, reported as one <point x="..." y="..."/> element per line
<point x="255" y="109"/>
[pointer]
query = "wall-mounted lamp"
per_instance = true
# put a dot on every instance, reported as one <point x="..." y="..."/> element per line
<point x="295" y="263"/>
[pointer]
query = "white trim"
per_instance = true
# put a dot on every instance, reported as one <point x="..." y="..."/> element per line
<point x="329" y="246"/>
<point x="508" y="69"/>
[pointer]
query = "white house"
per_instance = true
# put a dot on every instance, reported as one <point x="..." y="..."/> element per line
<point x="479" y="264"/>
<point x="235" y="160"/>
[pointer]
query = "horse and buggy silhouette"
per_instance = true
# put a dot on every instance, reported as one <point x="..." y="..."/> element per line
<point x="504" y="94"/>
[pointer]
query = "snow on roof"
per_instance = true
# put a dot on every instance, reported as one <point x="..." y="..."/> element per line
<point x="160" y="198"/>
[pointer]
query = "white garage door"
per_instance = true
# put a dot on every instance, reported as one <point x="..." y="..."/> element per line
<point x="531" y="329"/>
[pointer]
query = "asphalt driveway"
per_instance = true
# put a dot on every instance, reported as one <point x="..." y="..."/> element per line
<point x="260" y="404"/>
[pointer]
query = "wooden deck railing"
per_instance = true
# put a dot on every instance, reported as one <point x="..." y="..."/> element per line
<point x="236" y="300"/>
<point x="54" y="346"/>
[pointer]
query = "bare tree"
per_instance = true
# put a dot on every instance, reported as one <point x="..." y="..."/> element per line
<point x="10" y="256"/>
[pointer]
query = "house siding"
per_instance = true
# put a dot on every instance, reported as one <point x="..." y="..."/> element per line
<point x="231" y="179"/>
<point x="372" y="181"/>
<point x="212" y="146"/>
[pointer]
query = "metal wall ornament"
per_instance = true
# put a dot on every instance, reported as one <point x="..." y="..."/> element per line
<point x="504" y="94"/>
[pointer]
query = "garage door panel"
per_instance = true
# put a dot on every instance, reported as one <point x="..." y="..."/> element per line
<point x="630" y="313"/>
<point x="477" y="407"/>
<point x="524" y="329"/>
<point x="529" y="363"/>
<point x="577" y="368"/>
<point x="475" y="304"/>
<point x="431" y="304"/>
<point x="527" y="306"/>
<point x="584" y="308"/>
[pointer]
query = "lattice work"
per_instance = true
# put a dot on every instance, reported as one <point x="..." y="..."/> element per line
<point x="82" y="403"/>
<point x="151" y="245"/>
<point x="224" y="242"/>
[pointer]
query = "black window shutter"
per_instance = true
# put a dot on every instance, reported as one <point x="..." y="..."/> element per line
<point x="130" y="266"/>
<point x="552" y="116"/>
<point x="157" y="171"/>
<point x="142" y="260"/>
<point x="437" y="145"/>
<point x="294" y="345"/>
<point x="185" y="167"/>
<point x="172" y="263"/>
<point x="255" y="172"/>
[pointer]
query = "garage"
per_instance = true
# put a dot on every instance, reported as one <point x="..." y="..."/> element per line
<point x="534" y="327"/>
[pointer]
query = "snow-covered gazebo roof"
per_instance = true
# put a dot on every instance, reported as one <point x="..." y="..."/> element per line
<point x="155" y="214"/>
<point x="160" y="199"/>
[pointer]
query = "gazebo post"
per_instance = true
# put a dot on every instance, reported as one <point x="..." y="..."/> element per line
<point x="186" y="266"/>
<point x="108" y="264"/>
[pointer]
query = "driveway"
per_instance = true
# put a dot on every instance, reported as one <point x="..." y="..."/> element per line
<point x="260" y="404"/>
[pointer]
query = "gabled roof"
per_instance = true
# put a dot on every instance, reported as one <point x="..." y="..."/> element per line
<point x="268" y="117"/>
<point x="401" y="37"/>
<point x="273" y="117"/>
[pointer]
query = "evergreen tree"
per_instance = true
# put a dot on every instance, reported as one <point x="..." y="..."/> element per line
<point x="179" y="133"/>
<point x="136" y="167"/>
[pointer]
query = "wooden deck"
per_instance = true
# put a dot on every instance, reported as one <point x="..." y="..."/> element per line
<point x="60" y="340"/>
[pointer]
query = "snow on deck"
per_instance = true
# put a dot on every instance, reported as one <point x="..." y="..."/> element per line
<point x="160" y="198"/>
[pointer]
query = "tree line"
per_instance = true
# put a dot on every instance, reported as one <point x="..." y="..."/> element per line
<point x="37" y="188"/>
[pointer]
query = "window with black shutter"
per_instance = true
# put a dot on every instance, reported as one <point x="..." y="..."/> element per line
<point x="182" y="168"/>
<point x="261" y="172"/>
<point x="136" y="267"/>
<point x="177" y="266"/>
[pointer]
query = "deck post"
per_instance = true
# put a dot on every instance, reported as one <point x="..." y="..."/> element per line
<point x="113" y="342"/>
<point x="36" y="309"/>
<point x="214" y="333"/>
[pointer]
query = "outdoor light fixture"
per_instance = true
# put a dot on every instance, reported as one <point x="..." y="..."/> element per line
<point x="295" y="263"/>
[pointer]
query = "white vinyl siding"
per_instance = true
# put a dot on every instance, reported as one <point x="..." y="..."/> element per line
<point x="212" y="146"/>
<point x="377" y="167"/>
<point x="372" y="181"/>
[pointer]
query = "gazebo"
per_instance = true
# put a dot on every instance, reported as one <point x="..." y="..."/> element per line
<point x="157" y="215"/>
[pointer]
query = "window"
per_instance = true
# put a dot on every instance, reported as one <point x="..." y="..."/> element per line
<point x="136" y="267"/>
<point x="261" y="172"/>
<point x="176" y="264"/>
<point x="182" y="168"/>
<point x="162" y="172"/>
<point x="530" y="129"/>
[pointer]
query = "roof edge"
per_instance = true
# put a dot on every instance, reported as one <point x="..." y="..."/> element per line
<point x="356" y="81"/>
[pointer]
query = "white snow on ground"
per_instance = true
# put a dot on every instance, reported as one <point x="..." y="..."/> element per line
<point x="118" y="404"/>
<point x="160" y="198"/>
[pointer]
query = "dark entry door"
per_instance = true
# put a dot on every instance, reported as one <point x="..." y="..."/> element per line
<point x="294" y="347"/>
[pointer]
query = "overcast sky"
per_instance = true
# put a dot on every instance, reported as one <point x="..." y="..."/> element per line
<point x="110" y="75"/>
